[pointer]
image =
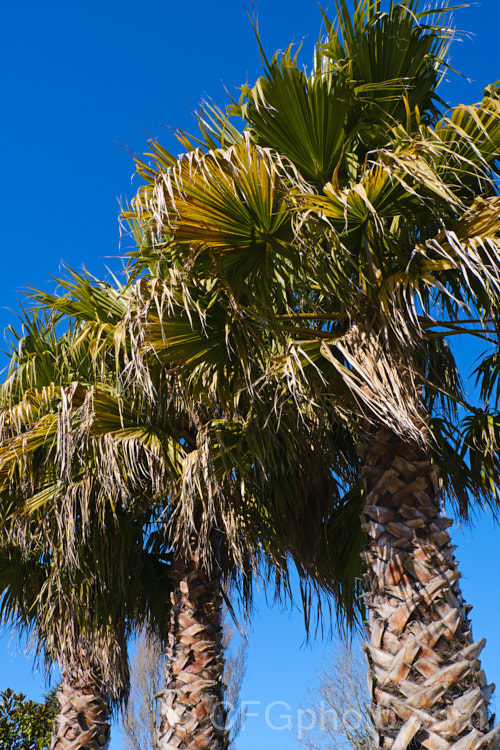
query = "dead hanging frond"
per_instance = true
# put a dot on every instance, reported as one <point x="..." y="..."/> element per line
<point x="385" y="387"/>
<point x="357" y="373"/>
<point x="456" y="272"/>
<point x="66" y="614"/>
<point x="92" y="453"/>
<point x="209" y="509"/>
<point x="218" y="511"/>
<point x="78" y="641"/>
<point x="73" y="395"/>
<point x="134" y="451"/>
<point x="77" y="570"/>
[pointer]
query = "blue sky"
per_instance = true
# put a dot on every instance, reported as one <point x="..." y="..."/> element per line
<point x="84" y="82"/>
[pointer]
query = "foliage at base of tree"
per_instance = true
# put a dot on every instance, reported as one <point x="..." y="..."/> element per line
<point x="25" y="724"/>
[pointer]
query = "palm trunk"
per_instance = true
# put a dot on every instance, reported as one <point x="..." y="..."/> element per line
<point x="426" y="683"/>
<point x="83" y="719"/>
<point x="192" y="709"/>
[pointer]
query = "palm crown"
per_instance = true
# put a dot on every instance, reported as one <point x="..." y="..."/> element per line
<point x="81" y="564"/>
<point x="384" y="250"/>
<point x="158" y="434"/>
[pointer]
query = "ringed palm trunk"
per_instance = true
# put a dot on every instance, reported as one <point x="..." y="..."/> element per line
<point x="425" y="679"/>
<point x="192" y="714"/>
<point x="83" y="720"/>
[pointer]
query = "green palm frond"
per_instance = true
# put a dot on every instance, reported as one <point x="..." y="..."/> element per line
<point x="86" y="297"/>
<point x="363" y="45"/>
<point x="374" y="70"/>
<point x="221" y="200"/>
<point x="39" y="358"/>
<point x="467" y="451"/>
<point x="94" y="310"/>
<point x="302" y="117"/>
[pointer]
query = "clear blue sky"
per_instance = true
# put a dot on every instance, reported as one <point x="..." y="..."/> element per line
<point x="81" y="80"/>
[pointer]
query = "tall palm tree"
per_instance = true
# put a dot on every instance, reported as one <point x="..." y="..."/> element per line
<point x="227" y="517"/>
<point x="75" y="573"/>
<point x="349" y="233"/>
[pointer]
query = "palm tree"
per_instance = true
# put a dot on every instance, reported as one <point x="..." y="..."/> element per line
<point x="348" y="234"/>
<point x="227" y="518"/>
<point x="75" y="573"/>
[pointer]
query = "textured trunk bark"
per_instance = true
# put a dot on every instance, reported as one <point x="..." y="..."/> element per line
<point x="83" y="719"/>
<point x="426" y="682"/>
<point x="192" y="708"/>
